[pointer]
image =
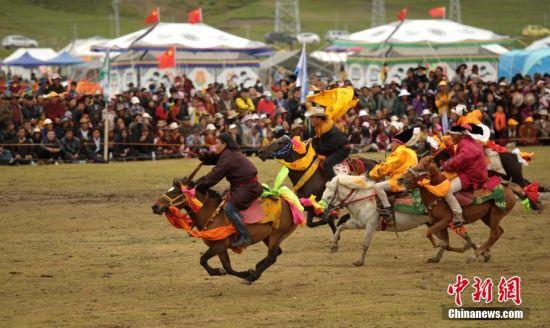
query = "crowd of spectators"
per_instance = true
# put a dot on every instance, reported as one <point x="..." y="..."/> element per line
<point x="47" y="120"/>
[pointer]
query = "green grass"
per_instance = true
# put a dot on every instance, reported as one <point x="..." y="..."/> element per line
<point x="55" y="22"/>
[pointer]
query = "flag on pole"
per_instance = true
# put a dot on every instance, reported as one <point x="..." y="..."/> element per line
<point x="167" y="59"/>
<point x="195" y="16"/>
<point x="153" y="16"/>
<point x="403" y="14"/>
<point x="301" y="74"/>
<point x="437" y="12"/>
<point x="105" y="75"/>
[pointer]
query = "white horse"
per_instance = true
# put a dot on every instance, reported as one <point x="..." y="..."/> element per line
<point x="362" y="207"/>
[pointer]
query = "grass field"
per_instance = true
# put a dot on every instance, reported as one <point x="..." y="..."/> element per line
<point x="79" y="247"/>
<point x="54" y="23"/>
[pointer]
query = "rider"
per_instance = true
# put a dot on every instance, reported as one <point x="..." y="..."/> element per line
<point x="401" y="159"/>
<point x="328" y="141"/>
<point x="469" y="164"/>
<point x="242" y="177"/>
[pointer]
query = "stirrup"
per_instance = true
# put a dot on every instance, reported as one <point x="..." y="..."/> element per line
<point x="241" y="242"/>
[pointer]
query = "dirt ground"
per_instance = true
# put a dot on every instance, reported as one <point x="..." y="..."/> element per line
<point x="80" y="247"/>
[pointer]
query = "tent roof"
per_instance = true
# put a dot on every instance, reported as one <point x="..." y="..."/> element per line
<point x="183" y="36"/>
<point x="539" y="44"/>
<point x="64" y="58"/>
<point x="39" y="53"/>
<point x="424" y="31"/>
<point x="26" y="60"/>
<point x="83" y="47"/>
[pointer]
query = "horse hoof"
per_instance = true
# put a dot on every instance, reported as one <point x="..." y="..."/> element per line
<point x="222" y="272"/>
<point x="246" y="282"/>
<point x="486" y="257"/>
<point x="471" y="259"/>
<point x="334" y="249"/>
<point x="433" y="260"/>
<point x="358" y="263"/>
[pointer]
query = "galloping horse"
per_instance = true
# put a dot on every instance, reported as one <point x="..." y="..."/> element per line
<point x="441" y="214"/>
<point x="281" y="149"/>
<point x="210" y="217"/>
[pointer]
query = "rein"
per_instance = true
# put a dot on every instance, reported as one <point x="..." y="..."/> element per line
<point x="346" y="201"/>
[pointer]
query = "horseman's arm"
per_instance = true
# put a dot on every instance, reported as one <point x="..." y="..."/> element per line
<point x="216" y="175"/>
<point x="387" y="167"/>
<point x="461" y="160"/>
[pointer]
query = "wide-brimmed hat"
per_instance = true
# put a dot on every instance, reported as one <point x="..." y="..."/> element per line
<point x="48" y="121"/>
<point x="135" y="100"/>
<point x="363" y="112"/>
<point x="232" y="114"/>
<point x="407" y="137"/>
<point x="442" y="83"/>
<point x="161" y="123"/>
<point x="146" y="115"/>
<point x="512" y="122"/>
<point x="173" y="126"/>
<point x="316" y="112"/>
<point x="543" y="112"/>
<point x="211" y="127"/>
<point x="426" y="112"/>
<point x="403" y="93"/>
<point x="460" y="109"/>
<point x="84" y="120"/>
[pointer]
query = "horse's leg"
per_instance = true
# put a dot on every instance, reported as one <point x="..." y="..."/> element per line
<point x="435" y="228"/>
<point x="496" y="232"/>
<point x="266" y="262"/>
<point x="226" y="263"/>
<point x="370" y="228"/>
<point x="343" y="219"/>
<point x="214" y="250"/>
<point x="336" y="237"/>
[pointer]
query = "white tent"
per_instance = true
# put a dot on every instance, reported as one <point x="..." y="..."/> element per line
<point x="539" y="44"/>
<point x="38" y="53"/>
<point x="83" y="47"/>
<point x="183" y="36"/>
<point x="426" y="42"/>
<point x="425" y="30"/>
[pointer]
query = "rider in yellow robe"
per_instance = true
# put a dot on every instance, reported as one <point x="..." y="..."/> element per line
<point x="401" y="159"/>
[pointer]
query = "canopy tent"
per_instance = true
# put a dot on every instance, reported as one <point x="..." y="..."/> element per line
<point x="539" y="44"/>
<point x="203" y="53"/>
<point x="524" y="62"/>
<point x="64" y="59"/>
<point x="26" y="60"/>
<point x="184" y="36"/>
<point x="38" y="53"/>
<point x="82" y="48"/>
<point x="427" y="42"/>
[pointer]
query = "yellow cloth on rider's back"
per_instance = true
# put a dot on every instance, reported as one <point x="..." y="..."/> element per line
<point x="336" y="101"/>
<point x="394" y="166"/>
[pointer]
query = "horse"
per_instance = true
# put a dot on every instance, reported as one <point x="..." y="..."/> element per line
<point x="281" y="148"/>
<point x="361" y="204"/>
<point x="441" y="214"/>
<point x="511" y="169"/>
<point x="211" y="216"/>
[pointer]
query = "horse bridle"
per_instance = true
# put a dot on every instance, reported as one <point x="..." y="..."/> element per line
<point x="285" y="150"/>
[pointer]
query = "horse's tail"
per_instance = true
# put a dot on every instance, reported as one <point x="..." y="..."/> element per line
<point x="520" y="192"/>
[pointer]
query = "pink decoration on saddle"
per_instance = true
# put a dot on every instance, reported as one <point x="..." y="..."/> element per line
<point x="254" y="213"/>
<point x="532" y="191"/>
<point x="297" y="215"/>
<point x="492" y="183"/>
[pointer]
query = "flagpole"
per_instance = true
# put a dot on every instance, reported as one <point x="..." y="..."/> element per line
<point x="158" y="14"/>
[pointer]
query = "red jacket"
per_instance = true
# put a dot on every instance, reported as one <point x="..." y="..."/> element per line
<point x="469" y="163"/>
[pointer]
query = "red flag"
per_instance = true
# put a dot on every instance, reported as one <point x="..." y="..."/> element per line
<point x="167" y="58"/>
<point x="438" y="12"/>
<point x="153" y="17"/>
<point x="195" y="16"/>
<point x="403" y="14"/>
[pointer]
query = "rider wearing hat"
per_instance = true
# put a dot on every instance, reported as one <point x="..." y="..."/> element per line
<point x="328" y="141"/>
<point x="401" y="159"/>
<point x="468" y="163"/>
<point x="242" y="177"/>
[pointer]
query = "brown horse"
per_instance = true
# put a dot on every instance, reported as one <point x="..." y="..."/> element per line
<point x="281" y="148"/>
<point x="210" y="217"/>
<point x="441" y="214"/>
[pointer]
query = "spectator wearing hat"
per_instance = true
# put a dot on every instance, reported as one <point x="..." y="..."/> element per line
<point x="243" y="103"/>
<point x="543" y="125"/>
<point x="388" y="99"/>
<point x="460" y="76"/>
<point x="16" y="111"/>
<point x="401" y="104"/>
<point x="251" y="141"/>
<point x="294" y="107"/>
<point x="83" y="132"/>
<point x="121" y="149"/>
<point x="210" y="135"/>
<point x="527" y="132"/>
<point x="442" y="102"/>
<point x="54" y="107"/>
<point x="266" y="104"/>
<point x="366" y="100"/>
<point x="94" y="146"/>
<point x="56" y="85"/>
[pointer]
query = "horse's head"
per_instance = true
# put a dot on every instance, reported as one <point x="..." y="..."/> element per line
<point x="280" y="148"/>
<point x="172" y="197"/>
<point x="331" y="191"/>
<point x="175" y="196"/>
<point x="425" y="168"/>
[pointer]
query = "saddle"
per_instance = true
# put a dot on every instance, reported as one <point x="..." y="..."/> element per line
<point x="263" y="210"/>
